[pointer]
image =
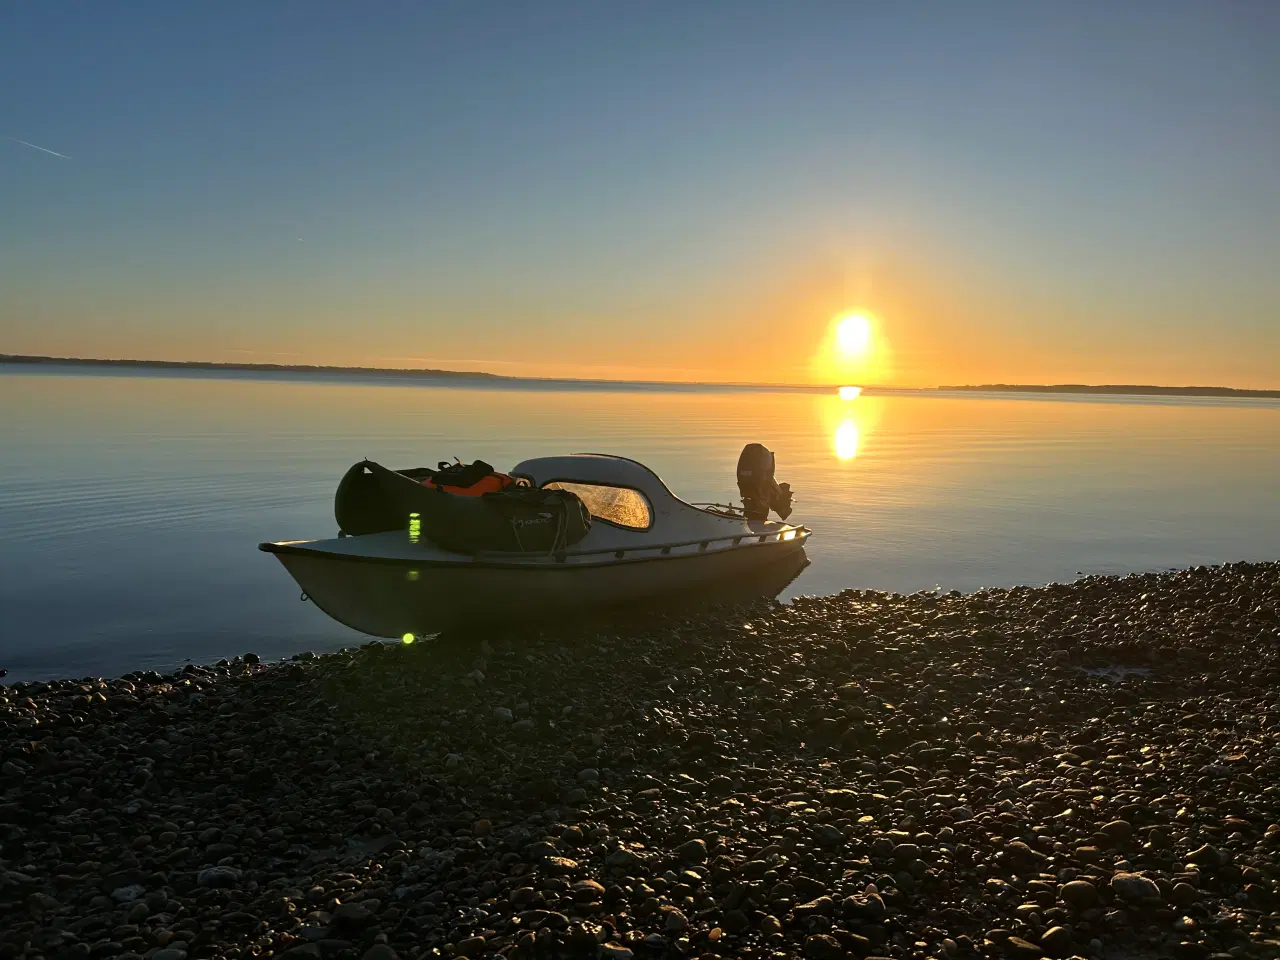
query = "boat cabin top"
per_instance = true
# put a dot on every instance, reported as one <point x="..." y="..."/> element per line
<point x="615" y="489"/>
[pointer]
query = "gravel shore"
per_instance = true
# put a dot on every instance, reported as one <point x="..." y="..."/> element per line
<point x="1089" y="770"/>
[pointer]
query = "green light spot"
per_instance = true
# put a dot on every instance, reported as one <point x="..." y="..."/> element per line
<point x="411" y="574"/>
<point x="408" y="638"/>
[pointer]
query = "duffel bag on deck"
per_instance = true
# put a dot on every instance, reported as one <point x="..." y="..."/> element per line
<point x="468" y="479"/>
<point x="517" y="519"/>
<point x="366" y="502"/>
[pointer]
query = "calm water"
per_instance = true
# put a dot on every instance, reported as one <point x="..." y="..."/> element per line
<point x="131" y="506"/>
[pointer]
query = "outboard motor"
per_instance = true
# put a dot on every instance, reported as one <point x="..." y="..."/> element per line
<point x="760" y="493"/>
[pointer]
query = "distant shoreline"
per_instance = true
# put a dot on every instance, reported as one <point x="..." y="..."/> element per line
<point x="428" y="373"/>
<point x="272" y="367"/>
<point x="424" y="373"/>
<point x="1114" y="389"/>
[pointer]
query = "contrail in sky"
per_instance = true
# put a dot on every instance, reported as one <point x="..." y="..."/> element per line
<point x="34" y="146"/>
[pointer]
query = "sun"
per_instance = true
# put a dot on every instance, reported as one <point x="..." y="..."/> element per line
<point x="853" y="349"/>
<point x="853" y="334"/>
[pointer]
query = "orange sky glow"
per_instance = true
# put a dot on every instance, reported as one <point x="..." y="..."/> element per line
<point x="1058" y="193"/>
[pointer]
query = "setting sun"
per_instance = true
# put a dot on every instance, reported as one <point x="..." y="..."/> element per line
<point x="853" y="350"/>
<point x="853" y="334"/>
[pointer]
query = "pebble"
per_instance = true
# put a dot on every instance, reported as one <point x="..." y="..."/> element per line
<point x="674" y="921"/>
<point x="1057" y="942"/>
<point x="829" y="836"/>
<point x="1135" y="888"/>
<point x="1118" y="831"/>
<point x="1021" y="949"/>
<point x="820" y="946"/>
<point x="1080" y="894"/>
<point x="352" y="914"/>
<point x="219" y="876"/>
<point x="692" y="852"/>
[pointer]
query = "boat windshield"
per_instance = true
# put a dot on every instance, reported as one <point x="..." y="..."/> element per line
<point x="623" y="506"/>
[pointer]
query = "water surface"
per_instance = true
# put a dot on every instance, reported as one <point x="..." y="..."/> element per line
<point x="131" y="504"/>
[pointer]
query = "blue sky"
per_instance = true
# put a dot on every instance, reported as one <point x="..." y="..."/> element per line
<point x="1064" y="191"/>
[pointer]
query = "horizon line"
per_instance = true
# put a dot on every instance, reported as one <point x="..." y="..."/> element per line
<point x="1113" y="389"/>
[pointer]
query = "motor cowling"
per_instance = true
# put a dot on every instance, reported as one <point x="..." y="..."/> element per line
<point x="759" y="491"/>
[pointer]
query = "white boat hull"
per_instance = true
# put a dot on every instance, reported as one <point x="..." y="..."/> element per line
<point x="391" y="598"/>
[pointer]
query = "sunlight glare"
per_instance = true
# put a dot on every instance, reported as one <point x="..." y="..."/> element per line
<point x="853" y="349"/>
<point x="850" y="393"/>
<point x="853" y="334"/>
<point x="847" y="440"/>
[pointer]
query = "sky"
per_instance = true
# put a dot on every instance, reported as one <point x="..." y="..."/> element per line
<point x="1066" y="191"/>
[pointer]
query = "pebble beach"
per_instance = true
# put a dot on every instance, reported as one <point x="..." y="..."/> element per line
<point x="1078" y="770"/>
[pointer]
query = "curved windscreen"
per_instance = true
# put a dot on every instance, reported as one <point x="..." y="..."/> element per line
<point x="619" y="505"/>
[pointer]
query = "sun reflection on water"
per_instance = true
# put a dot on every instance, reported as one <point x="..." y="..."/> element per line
<point x="846" y="440"/>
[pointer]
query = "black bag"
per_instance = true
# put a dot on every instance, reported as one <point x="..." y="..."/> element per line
<point x="361" y="505"/>
<point x="369" y="502"/>
<point x="517" y="519"/>
<point x="540" y="520"/>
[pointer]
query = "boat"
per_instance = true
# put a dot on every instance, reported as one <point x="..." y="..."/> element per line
<point x="643" y="543"/>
